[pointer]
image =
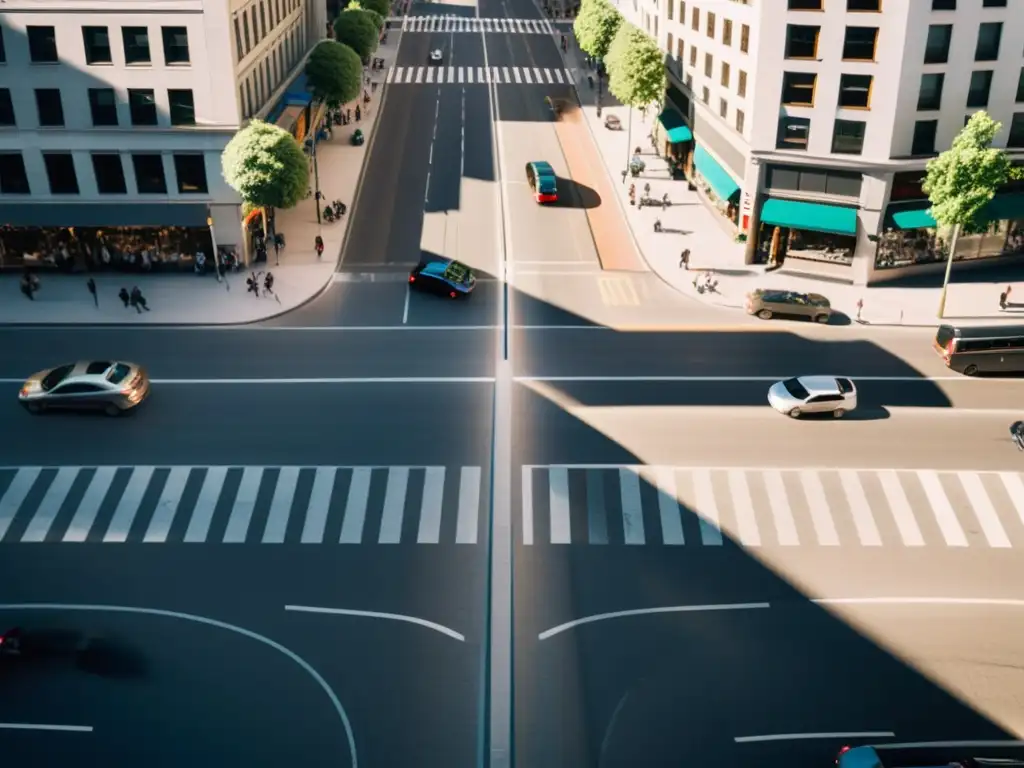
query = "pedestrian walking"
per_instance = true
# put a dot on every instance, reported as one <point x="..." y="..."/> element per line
<point x="27" y="289"/>
<point x="268" y="287"/>
<point x="684" y="260"/>
<point x="359" y="113"/>
<point x="91" y="285"/>
<point x="138" y="300"/>
<point x="319" y="243"/>
<point x="253" y="285"/>
<point x="1004" y="297"/>
<point x="632" y="194"/>
<point x="860" y="309"/>
<point x="124" y="297"/>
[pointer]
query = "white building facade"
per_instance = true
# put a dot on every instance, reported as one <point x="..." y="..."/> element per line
<point x="114" y="114"/>
<point x="808" y="123"/>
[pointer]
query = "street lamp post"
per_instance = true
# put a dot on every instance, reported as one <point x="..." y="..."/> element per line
<point x="629" y="141"/>
<point x="213" y="242"/>
<point x="316" y="180"/>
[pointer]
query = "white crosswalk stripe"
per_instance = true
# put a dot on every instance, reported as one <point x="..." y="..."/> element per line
<point x="766" y="507"/>
<point x="448" y="24"/>
<point x="241" y="505"/>
<point x="477" y="76"/>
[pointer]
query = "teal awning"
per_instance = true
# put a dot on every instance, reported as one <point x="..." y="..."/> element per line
<point x="715" y="175"/>
<point x="675" y="127"/>
<point x="815" y="217"/>
<point x="914" y="218"/>
<point x="1001" y="207"/>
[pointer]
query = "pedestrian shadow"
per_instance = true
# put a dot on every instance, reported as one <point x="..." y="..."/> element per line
<point x="572" y="194"/>
<point x="675" y="231"/>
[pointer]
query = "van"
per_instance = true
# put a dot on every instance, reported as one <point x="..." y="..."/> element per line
<point x="990" y="349"/>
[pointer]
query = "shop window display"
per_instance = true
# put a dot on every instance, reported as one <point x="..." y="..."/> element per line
<point x="904" y="248"/>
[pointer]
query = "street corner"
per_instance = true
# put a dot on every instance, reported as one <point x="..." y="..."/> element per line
<point x="95" y="684"/>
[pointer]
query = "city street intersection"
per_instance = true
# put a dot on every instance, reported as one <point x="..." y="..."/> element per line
<point x="359" y="533"/>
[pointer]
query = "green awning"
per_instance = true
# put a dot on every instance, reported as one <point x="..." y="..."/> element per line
<point x="815" y="217"/>
<point x="715" y="175"/>
<point x="1009" y="206"/>
<point x="675" y="127"/>
<point x="914" y="218"/>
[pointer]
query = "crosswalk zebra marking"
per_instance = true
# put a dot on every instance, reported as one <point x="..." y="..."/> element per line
<point x="281" y="506"/>
<point x="433" y="500"/>
<point x="467" y="526"/>
<point x="355" y="507"/>
<point x="527" y="505"/>
<point x="863" y="521"/>
<point x="85" y="515"/>
<point x="452" y="75"/>
<point x="206" y="504"/>
<point x="1015" y="490"/>
<point x="994" y="532"/>
<point x="315" y="526"/>
<point x="15" y="496"/>
<point x="518" y="77"/>
<point x="128" y="506"/>
<point x="632" y="512"/>
<point x="50" y="506"/>
<point x="244" y="506"/>
<point x="710" y="520"/>
<point x="941" y="508"/>
<point x="899" y="505"/>
<point x="561" y="532"/>
<point x="597" y="513"/>
<point x="394" y="506"/>
<point x="668" y="506"/>
<point x="166" y="508"/>
<point x="743" y="506"/>
<point x="824" y="525"/>
<point x="463" y="24"/>
<point x="782" y="513"/>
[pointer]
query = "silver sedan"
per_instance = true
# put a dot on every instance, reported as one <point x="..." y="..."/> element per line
<point x="813" y="394"/>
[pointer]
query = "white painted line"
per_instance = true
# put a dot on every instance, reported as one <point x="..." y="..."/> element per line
<point x="558" y="485"/>
<point x="430" y="507"/>
<point x="468" y="522"/>
<point x="15" y="495"/>
<point x="817" y="504"/>
<point x="379" y="615"/>
<point x="405" y="309"/>
<point x="987" y="516"/>
<point x="1014" y="489"/>
<point x="206" y="504"/>
<point x="355" y="506"/>
<point x="40" y="524"/>
<point x="394" y="506"/>
<point x="281" y="505"/>
<point x="597" y="510"/>
<point x="45" y="727"/>
<point x="166" y="507"/>
<point x="943" y="510"/>
<point x="632" y="514"/>
<point x="947" y="744"/>
<point x="902" y="514"/>
<point x="707" y="509"/>
<point x="89" y="507"/>
<point x="128" y="507"/>
<point x="548" y="633"/>
<point x="527" y="502"/>
<point x="292" y="382"/>
<point x="668" y="507"/>
<point x="301" y="662"/>
<point x="244" y="506"/>
<point x="808" y="736"/>
<point x="319" y="505"/>
<point x="713" y="379"/>
<point x="743" y="508"/>
<point x="782" y="513"/>
<point x="996" y="602"/>
<point x="863" y="521"/>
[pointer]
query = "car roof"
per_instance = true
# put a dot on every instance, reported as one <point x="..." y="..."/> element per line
<point x="543" y="168"/>
<point x="820" y="385"/>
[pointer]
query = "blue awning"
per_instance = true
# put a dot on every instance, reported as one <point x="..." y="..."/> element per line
<point x="675" y="127"/>
<point x="914" y="218"/>
<point x="715" y="175"/>
<point x="296" y="95"/>
<point x="120" y="214"/>
<point x="816" y="217"/>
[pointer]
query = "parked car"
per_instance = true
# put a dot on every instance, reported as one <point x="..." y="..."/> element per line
<point x="768" y="303"/>
<point x="436" y="57"/>
<point x="543" y="182"/>
<point x="813" y="394"/>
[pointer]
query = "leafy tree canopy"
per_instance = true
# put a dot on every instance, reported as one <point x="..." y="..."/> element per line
<point x="636" y="68"/>
<point x="962" y="180"/>
<point x="595" y="27"/>
<point x="334" y="72"/>
<point x="356" y="29"/>
<point x="266" y="166"/>
<point x="378" y="19"/>
<point x="380" y="7"/>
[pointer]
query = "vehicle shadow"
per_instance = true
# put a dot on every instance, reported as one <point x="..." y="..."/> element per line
<point x="572" y="194"/>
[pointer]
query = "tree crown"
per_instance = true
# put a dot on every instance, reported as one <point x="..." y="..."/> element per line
<point x="636" y="68"/>
<point x="334" y="72"/>
<point x="595" y="27"/>
<point x="356" y="29"/>
<point x="266" y="166"/>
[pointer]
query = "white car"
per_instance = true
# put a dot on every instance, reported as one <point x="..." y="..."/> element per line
<point x="813" y="394"/>
<point x="436" y="56"/>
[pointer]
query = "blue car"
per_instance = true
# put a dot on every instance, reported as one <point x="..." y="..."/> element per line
<point x="444" y="277"/>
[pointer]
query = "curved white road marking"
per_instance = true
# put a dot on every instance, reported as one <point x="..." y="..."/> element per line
<point x="378" y="615"/>
<point x="996" y="601"/>
<point x="649" y="611"/>
<point x="212" y="623"/>
<point x="44" y="727"/>
<point x="808" y="736"/>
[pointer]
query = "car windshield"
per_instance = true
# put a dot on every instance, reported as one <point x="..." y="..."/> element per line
<point x="845" y="386"/>
<point x="118" y="373"/>
<point x="55" y="377"/>
<point x="796" y="389"/>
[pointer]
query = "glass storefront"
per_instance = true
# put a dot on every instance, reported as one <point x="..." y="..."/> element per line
<point x="904" y="248"/>
<point x="778" y="244"/>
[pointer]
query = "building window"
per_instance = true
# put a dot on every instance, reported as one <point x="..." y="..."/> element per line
<point x="3" y="50"/>
<point x="740" y="119"/>
<point x="175" y="45"/>
<point x="6" y="109"/>
<point x="13" y="179"/>
<point x="744" y="38"/>
<point x="103" y="106"/>
<point x="726" y="31"/>
<point x="689" y="82"/>
<point x="786" y="178"/>
<point x="801" y="41"/>
<point x="693" y="55"/>
<point x="109" y="174"/>
<point x="924" y="137"/>
<point x="709" y="65"/>
<point x="793" y="133"/>
<point x="864" y="6"/>
<point x="805" y="5"/>
<point x="60" y="170"/>
<point x="670" y="7"/>
<point x="97" y="45"/>
<point x="1016" y="138"/>
<point x="723" y="108"/>
<point x="993" y="3"/>
<point x="741" y="84"/>
<point x="682" y="11"/>
<point x="263" y="19"/>
<point x="859" y="44"/>
<point x="929" y="97"/>
<point x="142" y="106"/>
<point x="990" y="34"/>
<point x="1020" y="86"/>
<point x="943" y="5"/>
<point x="136" y="45"/>
<point x="42" y="45"/>
<point x="239" y="50"/>
<point x="695" y="19"/>
<point x="848" y="137"/>
<point x="249" y="99"/>
<point x="679" y="55"/>
<point x="855" y="91"/>
<point x="182" y="106"/>
<point x="669" y="40"/>
<point x="725" y="73"/>
<point x="798" y="88"/>
<point x="245" y="28"/>
<point x="981" y="85"/>
<point x="50" y="108"/>
<point x="149" y="174"/>
<point x="936" y="50"/>
<point x="711" y="25"/>
<point x="191" y="173"/>
<point x="705" y="95"/>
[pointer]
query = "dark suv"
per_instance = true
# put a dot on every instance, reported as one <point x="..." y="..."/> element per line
<point x="766" y="304"/>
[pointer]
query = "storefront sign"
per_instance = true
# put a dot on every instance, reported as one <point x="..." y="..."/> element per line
<point x="746" y="208"/>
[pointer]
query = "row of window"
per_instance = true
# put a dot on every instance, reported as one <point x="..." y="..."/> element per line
<point x="929" y="96"/>
<point x="940" y="38"/>
<point x="925" y="131"/>
<point x="711" y="26"/>
<point x="875" y="6"/>
<point x="799" y="90"/>
<point x="723" y="107"/>
<point x="42" y="45"/>
<point x="108" y="167"/>
<point x="103" y="107"/>
<point x="268" y="74"/>
<point x="859" y="43"/>
<point x="251" y="23"/>
<point x="724" y="68"/>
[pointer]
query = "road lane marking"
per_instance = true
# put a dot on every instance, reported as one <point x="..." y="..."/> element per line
<point x="467" y="524"/>
<point x="782" y="513"/>
<point x="707" y="509"/>
<point x="46" y="727"/>
<point x="405" y="309"/>
<point x="163" y="515"/>
<point x="319" y="505"/>
<point x="355" y="507"/>
<point x="379" y="615"/>
<point x="942" y="509"/>
<point x="394" y="506"/>
<point x="712" y="379"/>
<point x="15" y="495"/>
<point x="527" y="502"/>
<point x="995" y="602"/>
<point x="281" y="506"/>
<point x="743" y="509"/>
<point x="431" y="505"/>
<point x="863" y="521"/>
<point x="549" y="633"/>
<point x="987" y="516"/>
<point x="1012" y="483"/>
<point x="206" y="504"/>
<point x="40" y="524"/>
<point x="248" y="633"/>
<point x="245" y="504"/>
<point x="668" y="507"/>
<point x="597" y="512"/>
<point x="632" y="513"/>
<point x="808" y="736"/>
<point x="899" y="505"/>
<point x="128" y="507"/>
<point x="87" y="510"/>
<point x="558" y="500"/>
<point x="817" y="504"/>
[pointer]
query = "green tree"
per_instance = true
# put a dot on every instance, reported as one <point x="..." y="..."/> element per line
<point x="636" y="68"/>
<point x="334" y="73"/>
<point x="961" y="181"/>
<point x="266" y="167"/>
<point x="378" y="19"/>
<point x="595" y="27"/>
<point x="380" y="7"/>
<point x="357" y="29"/>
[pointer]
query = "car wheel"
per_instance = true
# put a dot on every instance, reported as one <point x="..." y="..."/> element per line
<point x="112" y="410"/>
<point x="34" y="407"/>
<point x="839" y="413"/>
<point x="796" y="413"/>
<point x="971" y="370"/>
<point x="765" y="314"/>
<point x="821" y="319"/>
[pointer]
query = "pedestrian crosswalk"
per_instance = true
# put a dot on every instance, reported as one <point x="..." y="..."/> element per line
<point x="618" y="292"/>
<point x="236" y="505"/>
<point x="764" y="507"/>
<point x="478" y="76"/>
<point x="450" y="24"/>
